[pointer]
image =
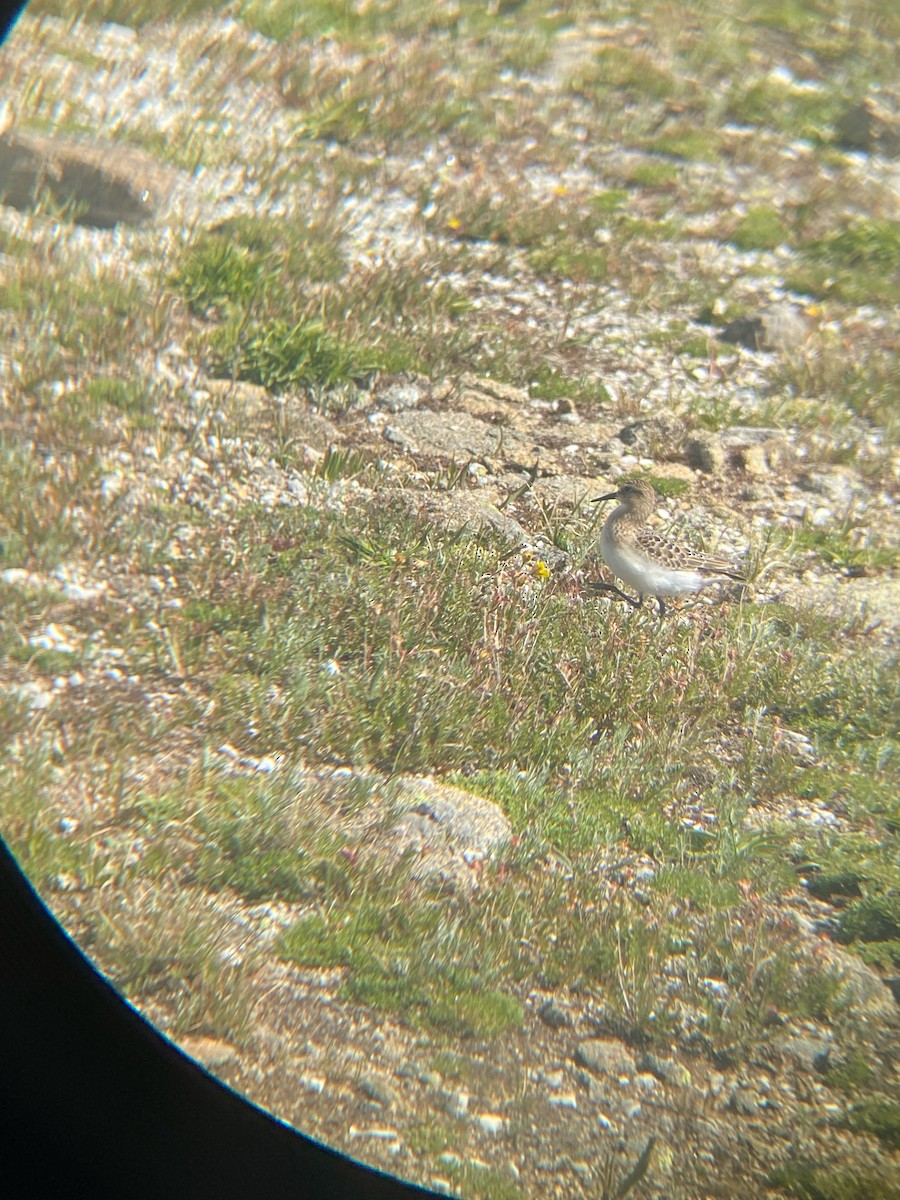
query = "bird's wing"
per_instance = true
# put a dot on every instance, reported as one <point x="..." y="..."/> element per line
<point x="683" y="557"/>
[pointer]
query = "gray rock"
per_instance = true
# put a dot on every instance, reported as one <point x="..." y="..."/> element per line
<point x="378" y="1090"/>
<point x="869" y="126"/>
<point x="398" y="397"/>
<point x="456" y="1103"/>
<point x="738" y="436"/>
<point x="806" y="1051"/>
<point x="454" y="511"/>
<point x="659" y="436"/>
<point x="554" y="1016"/>
<point x="103" y="184"/>
<point x="605" y="1057"/>
<point x="456" y="437"/>
<point x="742" y="1101"/>
<point x="781" y="326"/>
<point x="862" y="988"/>
<point x="705" y="452"/>
<point x="469" y="822"/>
<point x="668" y="1070"/>
<point x="838" y="486"/>
<point x="785" y="328"/>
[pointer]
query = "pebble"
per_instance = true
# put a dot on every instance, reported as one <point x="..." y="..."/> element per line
<point x="456" y="1104"/>
<point x="490" y="1122"/>
<point x="605" y="1057"/>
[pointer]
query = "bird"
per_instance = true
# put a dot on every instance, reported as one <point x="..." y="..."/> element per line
<point x="651" y="564"/>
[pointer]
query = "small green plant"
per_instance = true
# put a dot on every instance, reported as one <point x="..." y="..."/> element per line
<point x="655" y="175"/>
<point x="172" y="947"/>
<point x="840" y="547"/>
<point x="256" y="841"/>
<point x="219" y="274"/>
<point x="760" y="228"/>
<point x="280" y="355"/>
<point x="804" y="1181"/>
<point x="690" y="144"/>
<point x="409" y="957"/>
<point x="666" y="487"/>
<point x="877" y="1115"/>
<point x="860" y="264"/>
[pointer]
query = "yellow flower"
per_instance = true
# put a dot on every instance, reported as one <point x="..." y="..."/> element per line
<point x="453" y="222"/>
<point x="541" y="570"/>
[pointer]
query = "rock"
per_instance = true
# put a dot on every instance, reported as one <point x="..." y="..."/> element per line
<point x="738" y="436"/>
<point x="454" y="511"/>
<point x="209" y="1052"/>
<point x="756" y="451"/>
<point x="312" y="430"/>
<point x="605" y="1057"/>
<point x="469" y="822"/>
<point x="456" y="437"/>
<point x="742" y="1101"/>
<point x="759" y="492"/>
<point x="378" y="1090"/>
<point x="659" y="436"/>
<point x="753" y="460"/>
<point x="705" y="452"/>
<point x="456" y="1104"/>
<point x="869" y="127"/>
<point x="448" y="830"/>
<point x="554" y="1016"/>
<point x="807" y="1052"/>
<point x="785" y="328"/>
<point x="781" y="327"/>
<point x="490" y="1122"/>
<point x="840" y="486"/>
<point x="102" y="184"/>
<point x="862" y="988"/>
<point x="743" y="331"/>
<point x="399" y="396"/>
<point x="668" y="1070"/>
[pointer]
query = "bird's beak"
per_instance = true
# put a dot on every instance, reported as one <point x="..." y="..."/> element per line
<point x="600" y="499"/>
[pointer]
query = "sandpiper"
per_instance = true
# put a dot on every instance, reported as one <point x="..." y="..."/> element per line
<point x="647" y="562"/>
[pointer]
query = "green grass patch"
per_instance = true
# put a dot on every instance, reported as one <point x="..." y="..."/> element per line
<point x="878" y="1116"/>
<point x="281" y="356"/>
<point x="850" y="549"/>
<point x="407" y="955"/>
<point x="655" y="176"/>
<point x="859" y="264"/>
<point x="687" y="143"/>
<point x="258" y="839"/>
<point x="806" y="1182"/>
<point x="774" y="104"/>
<point x="761" y="228"/>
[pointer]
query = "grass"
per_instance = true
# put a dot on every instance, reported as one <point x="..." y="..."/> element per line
<point x="390" y="603"/>
<point x="411" y="685"/>
<point x="761" y="228"/>
<point x="280" y="636"/>
<point x="846" y="546"/>
<point x="807" y="1182"/>
<point x="859" y="264"/>
<point x="409" y="955"/>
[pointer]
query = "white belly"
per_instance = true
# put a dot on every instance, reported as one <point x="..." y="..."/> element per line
<point x="645" y="576"/>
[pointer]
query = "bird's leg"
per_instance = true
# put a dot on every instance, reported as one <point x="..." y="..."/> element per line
<point x="611" y="587"/>
<point x="662" y="607"/>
